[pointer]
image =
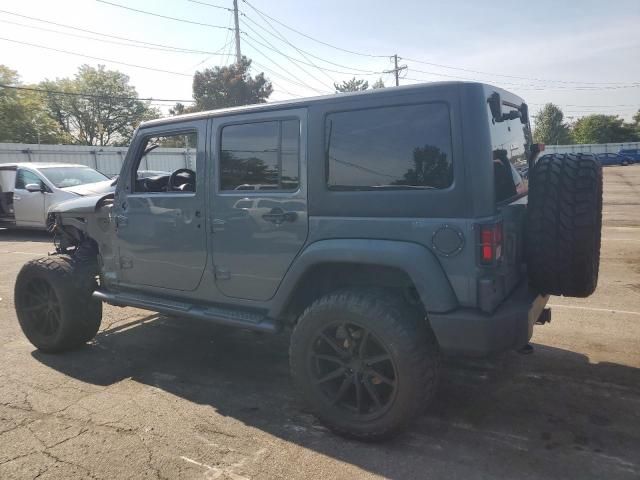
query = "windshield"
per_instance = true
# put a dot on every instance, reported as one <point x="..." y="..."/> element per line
<point x="63" y="177"/>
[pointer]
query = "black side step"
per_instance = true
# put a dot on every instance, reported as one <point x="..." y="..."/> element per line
<point x="220" y="316"/>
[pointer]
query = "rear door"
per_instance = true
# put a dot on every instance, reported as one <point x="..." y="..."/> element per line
<point x="260" y="200"/>
<point x="28" y="206"/>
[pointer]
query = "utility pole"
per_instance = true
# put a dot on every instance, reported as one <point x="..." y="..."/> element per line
<point x="396" y="69"/>
<point x="237" y="29"/>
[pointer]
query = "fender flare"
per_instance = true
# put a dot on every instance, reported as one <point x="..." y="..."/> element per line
<point x="415" y="260"/>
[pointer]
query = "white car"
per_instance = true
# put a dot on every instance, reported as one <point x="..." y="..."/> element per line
<point x="28" y="190"/>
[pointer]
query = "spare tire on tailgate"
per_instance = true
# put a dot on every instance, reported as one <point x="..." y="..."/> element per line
<point x="564" y="220"/>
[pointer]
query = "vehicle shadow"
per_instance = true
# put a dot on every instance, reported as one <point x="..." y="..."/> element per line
<point x="489" y="418"/>
<point x="24" y="235"/>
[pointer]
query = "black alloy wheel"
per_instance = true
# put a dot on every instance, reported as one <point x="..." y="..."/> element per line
<point x="353" y="370"/>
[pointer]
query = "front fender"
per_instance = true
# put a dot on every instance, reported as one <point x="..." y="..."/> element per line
<point x="415" y="260"/>
<point x="80" y="205"/>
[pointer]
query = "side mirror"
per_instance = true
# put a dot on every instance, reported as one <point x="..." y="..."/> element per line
<point x="34" y="187"/>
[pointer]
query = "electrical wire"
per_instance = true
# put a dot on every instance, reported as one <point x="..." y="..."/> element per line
<point x="284" y="39"/>
<point x="312" y="38"/>
<point x="356" y="71"/>
<point x="509" y="76"/>
<point x="162" y="49"/>
<point x="95" y="58"/>
<point x="290" y="59"/>
<point x="305" y="63"/>
<point x="91" y="95"/>
<point x="184" y="20"/>
<point x="179" y="49"/>
<point x="211" y="5"/>
<point x="302" y="82"/>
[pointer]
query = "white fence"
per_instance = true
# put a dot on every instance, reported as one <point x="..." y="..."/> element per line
<point x="107" y="160"/>
<point x="591" y="148"/>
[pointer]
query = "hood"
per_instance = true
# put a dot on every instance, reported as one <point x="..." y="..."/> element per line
<point x="97" y="188"/>
<point x="77" y="206"/>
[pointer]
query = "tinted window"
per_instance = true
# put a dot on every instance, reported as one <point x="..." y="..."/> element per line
<point x="25" y="177"/>
<point x="510" y="142"/>
<point x="260" y="156"/>
<point x="389" y="148"/>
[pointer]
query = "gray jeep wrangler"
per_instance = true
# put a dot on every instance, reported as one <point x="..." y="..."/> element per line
<point x="387" y="229"/>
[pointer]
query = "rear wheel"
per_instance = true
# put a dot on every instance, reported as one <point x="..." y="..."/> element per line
<point x="54" y="304"/>
<point x="365" y="362"/>
<point x="564" y="221"/>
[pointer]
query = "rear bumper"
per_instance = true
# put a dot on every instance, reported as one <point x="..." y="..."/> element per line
<point x="470" y="332"/>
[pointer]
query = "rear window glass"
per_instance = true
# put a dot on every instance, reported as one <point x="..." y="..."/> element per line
<point x="510" y="144"/>
<point x="399" y="147"/>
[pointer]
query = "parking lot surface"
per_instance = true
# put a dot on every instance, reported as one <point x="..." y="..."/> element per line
<point x="157" y="397"/>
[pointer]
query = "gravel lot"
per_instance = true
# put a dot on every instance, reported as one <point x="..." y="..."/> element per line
<point x="158" y="397"/>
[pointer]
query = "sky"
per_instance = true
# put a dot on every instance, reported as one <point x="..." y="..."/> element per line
<point x="582" y="55"/>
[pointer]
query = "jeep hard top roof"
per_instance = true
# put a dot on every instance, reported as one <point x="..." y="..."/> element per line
<point x="303" y="102"/>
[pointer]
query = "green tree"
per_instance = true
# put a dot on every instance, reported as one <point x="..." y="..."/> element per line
<point x="229" y="86"/>
<point x="353" y="85"/>
<point x="23" y="114"/>
<point x="550" y="127"/>
<point x="603" y="129"/>
<point x="378" y="84"/>
<point x="108" y="117"/>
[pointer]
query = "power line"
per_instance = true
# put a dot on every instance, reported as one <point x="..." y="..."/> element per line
<point x="211" y="5"/>
<point x="301" y="82"/>
<point x="312" y="38"/>
<point x="295" y="63"/>
<point x="162" y="16"/>
<point x="283" y="77"/>
<point x="305" y="63"/>
<point x="283" y="38"/>
<point x="178" y="49"/>
<point x="493" y="74"/>
<point x="91" y="95"/>
<point x="357" y="71"/>
<point x="162" y="49"/>
<point x="95" y="58"/>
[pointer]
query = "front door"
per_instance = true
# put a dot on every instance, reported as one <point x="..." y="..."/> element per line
<point x="260" y="201"/>
<point x="28" y="206"/>
<point x="160" y="218"/>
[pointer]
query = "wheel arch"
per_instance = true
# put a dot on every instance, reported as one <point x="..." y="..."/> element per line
<point x="328" y="265"/>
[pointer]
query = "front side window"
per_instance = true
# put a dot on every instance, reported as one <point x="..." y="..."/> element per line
<point x="25" y="177"/>
<point x="167" y="163"/>
<point x="399" y="147"/>
<point x="260" y="156"/>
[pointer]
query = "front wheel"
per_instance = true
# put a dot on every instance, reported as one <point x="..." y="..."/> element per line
<point x="365" y="362"/>
<point x="54" y="304"/>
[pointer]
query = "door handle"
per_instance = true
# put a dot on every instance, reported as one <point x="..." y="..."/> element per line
<point x="278" y="216"/>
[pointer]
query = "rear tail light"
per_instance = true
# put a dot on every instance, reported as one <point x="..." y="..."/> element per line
<point x="491" y="240"/>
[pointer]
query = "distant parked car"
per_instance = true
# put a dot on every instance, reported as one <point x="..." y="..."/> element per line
<point x="27" y="190"/>
<point x="614" y="159"/>
<point x="633" y="153"/>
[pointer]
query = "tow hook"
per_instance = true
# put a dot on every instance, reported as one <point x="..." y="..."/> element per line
<point x="545" y="317"/>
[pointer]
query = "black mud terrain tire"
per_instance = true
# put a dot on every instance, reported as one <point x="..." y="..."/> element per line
<point x="54" y="304"/>
<point x="564" y="222"/>
<point x="365" y="362"/>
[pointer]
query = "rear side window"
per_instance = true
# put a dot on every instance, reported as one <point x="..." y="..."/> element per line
<point x="260" y="156"/>
<point x="399" y="147"/>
